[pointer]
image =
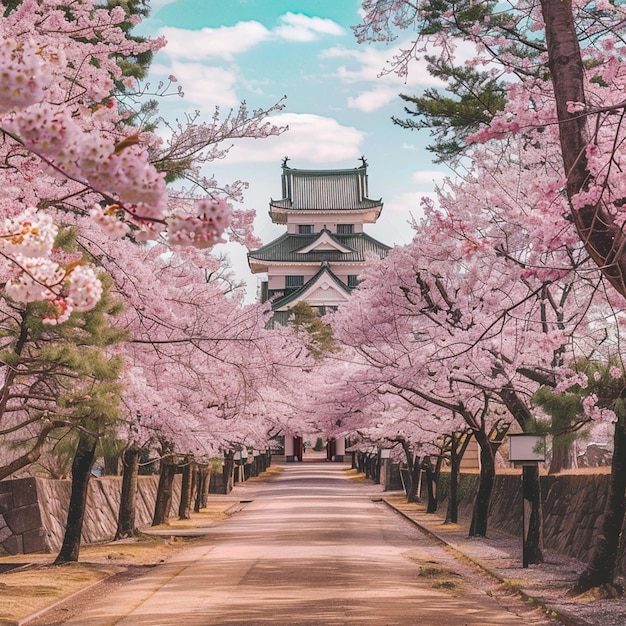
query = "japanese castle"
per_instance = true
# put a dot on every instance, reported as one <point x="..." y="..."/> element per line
<point x="320" y="256"/>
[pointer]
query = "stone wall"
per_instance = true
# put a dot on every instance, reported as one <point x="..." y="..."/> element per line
<point x="573" y="505"/>
<point x="33" y="511"/>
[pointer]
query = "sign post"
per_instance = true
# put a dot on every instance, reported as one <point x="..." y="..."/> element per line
<point x="527" y="451"/>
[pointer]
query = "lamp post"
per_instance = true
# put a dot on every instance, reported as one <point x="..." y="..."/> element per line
<point x="527" y="451"/>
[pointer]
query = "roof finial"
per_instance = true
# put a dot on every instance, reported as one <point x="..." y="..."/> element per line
<point x="363" y="161"/>
<point x="285" y="159"/>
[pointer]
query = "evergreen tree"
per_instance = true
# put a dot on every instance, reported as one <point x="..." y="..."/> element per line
<point x="567" y="419"/>
<point x="305" y="319"/>
<point x="57" y="378"/>
<point x="471" y="98"/>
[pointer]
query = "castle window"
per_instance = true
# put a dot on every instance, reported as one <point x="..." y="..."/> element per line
<point x="353" y="280"/>
<point x="294" y="282"/>
<point x="345" y="229"/>
<point x="305" y="229"/>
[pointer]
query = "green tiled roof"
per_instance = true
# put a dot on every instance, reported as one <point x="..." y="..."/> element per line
<point x="330" y="190"/>
<point x="284" y="249"/>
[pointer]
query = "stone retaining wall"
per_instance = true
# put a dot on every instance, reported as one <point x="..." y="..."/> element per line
<point x="573" y="505"/>
<point x="33" y="511"/>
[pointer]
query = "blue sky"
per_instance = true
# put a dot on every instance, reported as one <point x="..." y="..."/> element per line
<point x="338" y="107"/>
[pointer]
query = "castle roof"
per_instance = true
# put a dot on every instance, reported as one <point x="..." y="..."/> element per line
<point x="343" y="190"/>
<point x="315" y="249"/>
<point x="324" y="288"/>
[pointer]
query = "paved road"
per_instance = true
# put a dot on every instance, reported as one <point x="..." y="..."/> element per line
<point x="311" y="548"/>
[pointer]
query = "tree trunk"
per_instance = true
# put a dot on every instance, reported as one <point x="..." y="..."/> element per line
<point x="602" y="237"/>
<point x="413" y="472"/>
<point x="563" y="455"/>
<point x="229" y="472"/>
<point x="601" y="567"/>
<point x="360" y="462"/>
<point x="480" y="512"/>
<point x="457" y="450"/>
<point x="28" y="458"/>
<point x="84" y="458"/>
<point x="369" y="467"/>
<point x="111" y="464"/>
<point x="126" y="517"/>
<point x="202" y="488"/>
<point x="163" y="502"/>
<point x="431" y="484"/>
<point x="186" y="489"/>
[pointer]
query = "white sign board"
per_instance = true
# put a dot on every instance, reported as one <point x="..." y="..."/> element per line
<point x="525" y="447"/>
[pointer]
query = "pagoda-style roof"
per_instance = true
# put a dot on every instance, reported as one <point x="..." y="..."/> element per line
<point x="323" y="289"/>
<point x="325" y="191"/>
<point x="325" y="242"/>
<point x="292" y="248"/>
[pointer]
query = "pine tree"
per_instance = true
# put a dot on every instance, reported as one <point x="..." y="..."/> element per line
<point x="57" y="377"/>
<point x="305" y="319"/>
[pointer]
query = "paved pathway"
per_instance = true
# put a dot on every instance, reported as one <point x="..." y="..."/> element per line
<point x="312" y="547"/>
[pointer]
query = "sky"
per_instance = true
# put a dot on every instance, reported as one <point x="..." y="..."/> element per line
<point x="338" y="106"/>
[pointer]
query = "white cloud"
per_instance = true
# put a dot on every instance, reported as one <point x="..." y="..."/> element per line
<point x="228" y="41"/>
<point x="401" y="208"/>
<point x="310" y="139"/>
<point x="393" y="226"/>
<point x="372" y="100"/>
<point x="429" y="178"/>
<point x="299" y="27"/>
<point x="204" y="86"/>
<point x="404" y="204"/>
<point x="223" y="43"/>
<point x="367" y="64"/>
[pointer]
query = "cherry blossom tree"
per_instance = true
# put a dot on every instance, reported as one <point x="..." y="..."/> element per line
<point x="68" y="142"/>
<point x="577" y="104"/>
<point x="477" y="310"/>
<point x="82" y="156"/>
<point x="203" y="375"/>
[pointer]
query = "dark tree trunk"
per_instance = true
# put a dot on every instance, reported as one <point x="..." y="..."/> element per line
<point x="414" y="480"/>
<point x="202" y="488"/>
<point x="533" y="516"/>
<point x="457" y="450"/>
<point x="563" y="455"/>
<point x="480" y="513"/>
<point x="186" y="489"/>
<point x="601" y="235"/>
<point x="126" y="517"/>
<point x="229" y="472"/>
<point x="432" y="477"/>
<point x="361" y="462"/>
<point x="601" y="567"/>
<point x="84" y="458"/>
<point x="412" y="473"/>
<point x="163" y="502"/>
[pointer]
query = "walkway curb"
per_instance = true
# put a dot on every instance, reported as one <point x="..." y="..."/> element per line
<point x="563" y="617"/>
<point x="33" y="616"/>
